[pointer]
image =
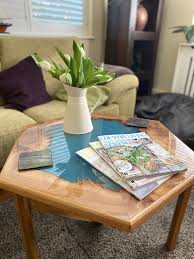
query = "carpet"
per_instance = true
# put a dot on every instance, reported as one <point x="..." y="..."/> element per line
<point x="63" y="238"/>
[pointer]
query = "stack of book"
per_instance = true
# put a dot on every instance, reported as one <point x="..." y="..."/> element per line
<point x="134" y="161"/>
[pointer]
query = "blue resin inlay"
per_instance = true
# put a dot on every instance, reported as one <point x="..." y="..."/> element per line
<point x="67" y="164"/>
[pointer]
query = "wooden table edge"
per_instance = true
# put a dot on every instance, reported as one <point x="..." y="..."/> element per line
<point x="159" y="204"/>
<point x="94" y="215"/>
<point x="65" y="207"/>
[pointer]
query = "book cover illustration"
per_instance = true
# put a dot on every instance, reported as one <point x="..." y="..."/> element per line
<point x="137" y="156"/>
<point x="34" y="159"/>
<point x="101" y="151"/>
<point x="90" y="156"/>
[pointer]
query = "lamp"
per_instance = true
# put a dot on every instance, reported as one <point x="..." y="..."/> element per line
<point x="3" y="25"/>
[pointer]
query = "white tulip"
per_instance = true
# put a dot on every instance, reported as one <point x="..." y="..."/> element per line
<point x="45" y="65"/>
<point x="83" y="53"/>
<point x="67" y="57"/>
<point x="66" y="78"/>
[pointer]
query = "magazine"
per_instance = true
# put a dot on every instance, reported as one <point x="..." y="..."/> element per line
<point x="98" y="148"/>
<point x="136" y="156"/>
<point x="90" y="156"/>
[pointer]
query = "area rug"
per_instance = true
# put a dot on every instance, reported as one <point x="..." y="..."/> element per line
<point x="63" y="238"/>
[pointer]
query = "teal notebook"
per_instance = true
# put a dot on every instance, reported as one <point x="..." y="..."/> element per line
<point x="35" y="159"/>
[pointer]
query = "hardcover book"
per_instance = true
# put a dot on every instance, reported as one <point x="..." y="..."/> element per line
<point x="90" y="156"/>
<point x="34" y="159"/>
<point x="98" y="148"/>
<point x="137" y="156"/>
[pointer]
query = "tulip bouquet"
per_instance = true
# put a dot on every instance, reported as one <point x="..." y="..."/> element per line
<point x="76" y="70"/>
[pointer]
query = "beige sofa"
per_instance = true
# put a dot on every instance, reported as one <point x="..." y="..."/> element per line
<point x="13" y="49"/>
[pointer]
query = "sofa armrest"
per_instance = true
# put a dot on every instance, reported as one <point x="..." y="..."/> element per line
<point x="123" y="90"/>
<point x="120" y="85"/>
<point x="126" y="103"/>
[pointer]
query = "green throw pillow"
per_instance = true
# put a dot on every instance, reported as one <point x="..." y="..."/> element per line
<point x="96" y="96"/>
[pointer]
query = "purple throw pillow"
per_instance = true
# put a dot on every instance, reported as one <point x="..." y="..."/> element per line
<point x="22" y="86"/>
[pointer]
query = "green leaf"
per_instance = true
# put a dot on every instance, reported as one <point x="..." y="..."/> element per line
<point x="36" y="58"/>
<point x="80" y="81"/>
<point x="77" y="56"/>
<point x="73" y="71"/>
<point x="88" y="69"/>
<point x="54" y="63"/>
<point x="178" y="30"/>
<point x="60" y="52"/>
<point x="92" y="82"/>
<point x="178" y="27"/>
<point x="54" y="75"/>
<point x="80" y="77"/>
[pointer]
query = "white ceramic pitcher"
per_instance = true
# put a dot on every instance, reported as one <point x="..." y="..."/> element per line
<point x="77" y="119"/>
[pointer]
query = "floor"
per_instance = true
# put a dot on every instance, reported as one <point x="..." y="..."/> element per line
<point x="62" y="238"/>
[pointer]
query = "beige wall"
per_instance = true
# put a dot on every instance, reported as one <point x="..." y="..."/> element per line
<point x="95" y="46"/>
<point x="176" y="12"/>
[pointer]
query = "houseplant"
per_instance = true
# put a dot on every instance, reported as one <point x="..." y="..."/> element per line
<point x="188" y="31"/>
<point x="77" y="73"/>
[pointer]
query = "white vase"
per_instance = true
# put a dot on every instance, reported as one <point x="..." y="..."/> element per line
<point x="77" y="119"/>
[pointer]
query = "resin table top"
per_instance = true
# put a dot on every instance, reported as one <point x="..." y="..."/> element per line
<point x="77" y="189"/>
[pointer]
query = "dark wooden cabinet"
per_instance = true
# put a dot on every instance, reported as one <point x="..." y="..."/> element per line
<point x="130" y="48"/>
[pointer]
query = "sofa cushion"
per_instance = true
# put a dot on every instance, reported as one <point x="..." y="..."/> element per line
<point x="22" y="86"/>
<point x="48" y="111"/>
<point x="96" y="96"/>
<point x="55" y="110"/>
<point x="11" y="123"/>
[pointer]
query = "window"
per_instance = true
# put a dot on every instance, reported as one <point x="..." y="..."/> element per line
<point x="65" y="17"/>
<point x="15" y="10"/>
<point x="58" y="16"/>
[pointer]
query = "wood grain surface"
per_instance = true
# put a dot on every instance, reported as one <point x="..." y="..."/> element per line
<point x="88" y="200"/>
<point x="24" y="215"/>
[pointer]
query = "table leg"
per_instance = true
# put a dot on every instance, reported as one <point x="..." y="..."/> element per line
<point x="25" y="217"/>
<point x="177" y="220"/>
